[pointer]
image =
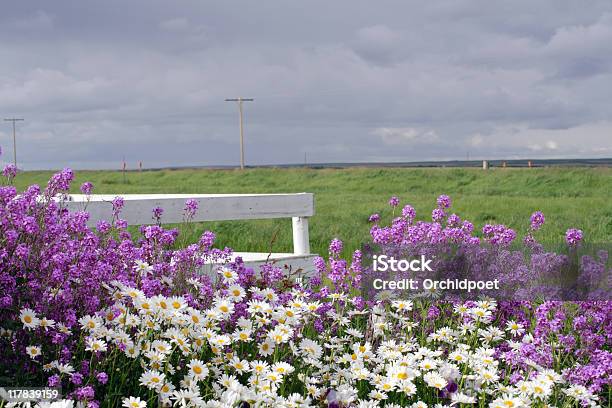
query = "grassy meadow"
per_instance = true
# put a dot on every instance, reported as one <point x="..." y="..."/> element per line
<point x="344" y="198"/>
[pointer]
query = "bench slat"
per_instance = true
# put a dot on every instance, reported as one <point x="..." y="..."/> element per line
<point x="137" y="208"/>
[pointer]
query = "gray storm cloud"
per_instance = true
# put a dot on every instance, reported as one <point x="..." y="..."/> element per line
<point x="337" y="81"/>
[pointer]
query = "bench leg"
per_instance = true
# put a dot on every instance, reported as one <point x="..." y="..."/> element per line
<point x="301" y="240"/>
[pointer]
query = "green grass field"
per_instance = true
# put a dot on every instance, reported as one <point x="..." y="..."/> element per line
<point x="344" y="198"/>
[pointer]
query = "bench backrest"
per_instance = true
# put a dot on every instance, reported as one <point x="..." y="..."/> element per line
<point x="137" y="209"/>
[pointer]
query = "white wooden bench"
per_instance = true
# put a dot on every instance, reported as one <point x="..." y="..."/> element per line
<point x="137" y="210"/>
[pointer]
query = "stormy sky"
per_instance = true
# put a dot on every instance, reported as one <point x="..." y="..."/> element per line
<point x="333" y="81"/>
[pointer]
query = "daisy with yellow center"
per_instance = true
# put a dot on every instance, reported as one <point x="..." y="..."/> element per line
<point x="197" y="369"/>
<point x="133" y="402"/>
<point x="33" y="351"/>
<point x="28" y="318"/>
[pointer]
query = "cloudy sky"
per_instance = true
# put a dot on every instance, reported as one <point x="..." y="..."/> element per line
<point x="335" y="81"/>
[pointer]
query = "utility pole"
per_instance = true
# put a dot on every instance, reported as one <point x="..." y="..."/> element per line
<point x="240" y="100"/>
<point x="14" y="138"/>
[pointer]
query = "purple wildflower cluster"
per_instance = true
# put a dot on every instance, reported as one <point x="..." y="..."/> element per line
<point x="9" y="171"/>
<point x="573" y="236"/>
<point x="191" y="207"/>
<point x="86" y="188"/>
<point x="394" y="201"/>
<point x="53" y="264"/>
<point x="586" y="341"/>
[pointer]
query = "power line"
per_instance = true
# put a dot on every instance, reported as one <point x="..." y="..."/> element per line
<point x="14" y="137"/>
<point x="240" y="100"/>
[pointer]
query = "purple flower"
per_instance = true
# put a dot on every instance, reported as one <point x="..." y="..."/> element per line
<point x="103" y="226"/>
<point x="117" y="205"/>
<point x="157" y="213"/>
<point x="121" y="223"/>
<point x="102" y="377"/>
<point x="488" y="229"/>
<point x="207" y="239"/>
<point x="467" y="227"/>
<point x="537" y="220"/>
<point x="359" y="303"/>
<point x="444" y="201"/>
<point x="335" y="247"/>
<point x="498" y="234"/>
<point x="453" y="220"/>
<point x="394" y="201"/>
<point x="437" y="214"/>
<point x="374" y="217"/>
<point x="86" y="188"/>
<point x="85" y="393"/>
<point x="54" y="381"/>
<point x="409" y="213"/>
<point x="60" y="182"/>
<point x="76" y="378"/>
<point x="318" y="325"/>
<point x="319" y="263"/>
<point x="452" y="387"/>
<point x="10" y="171"/>
<point x="573" y="236"/>
<point x="191" y="206"/>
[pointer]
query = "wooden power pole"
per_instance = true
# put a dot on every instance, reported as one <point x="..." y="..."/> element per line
<point x="240" y="100"/>
<point x="14" y="137"/>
